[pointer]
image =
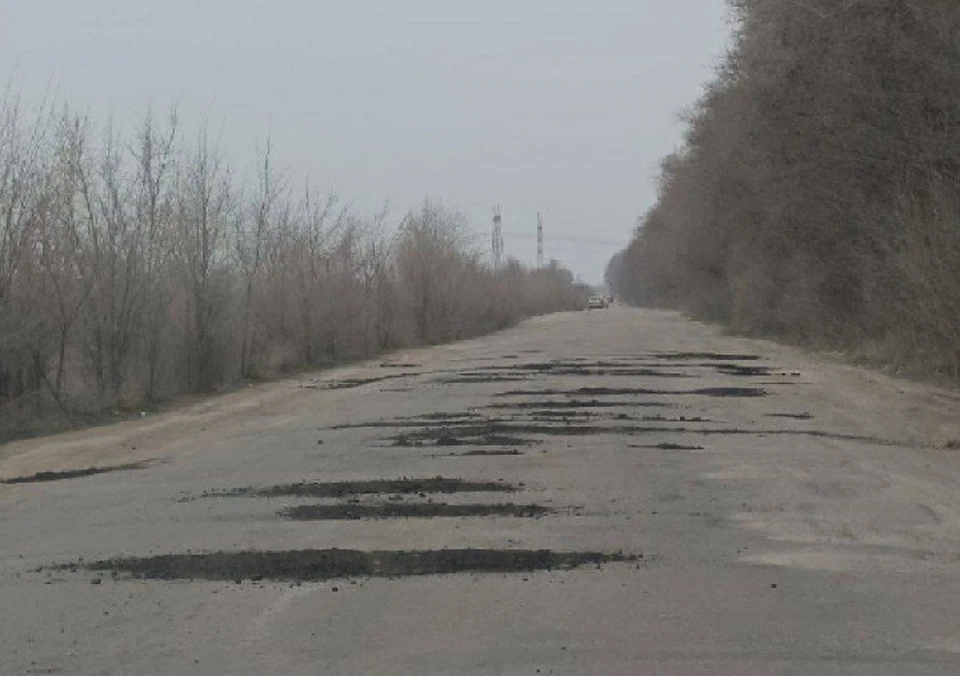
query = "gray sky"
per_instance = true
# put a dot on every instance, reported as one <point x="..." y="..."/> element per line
<point x="558" y="105"/>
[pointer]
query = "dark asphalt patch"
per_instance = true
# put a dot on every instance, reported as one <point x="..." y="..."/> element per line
<point x="506" y="431"/>
<point x="578" y="404"/>
<point x="398" y="423"/>
<point x="453" y="431"/>
<point x="509" y="433"/>
<point x="436" y="417"/>
<point x="466" y="454"/>
<point x="480" y="378"/>
<point x="402" y="510"/>
<point x="491" y="433"/>
<point x="446" y="438"/>
<point x="620" y="391"/>
<point x="350" y="383"/>
<point x="41" y="477"/>
<point x="415" y="422"/>
<point x="562" y="415"/>
<point x="581" y="369"/>
<point x="339" y="489"/>
<point x="741" y="370"/>
<point x="707" y="356"/>
<point x="315" y="565"/>
<point x="666" y="446"/>
<point x="728" y="392"/>
<point x="794" y="416"/>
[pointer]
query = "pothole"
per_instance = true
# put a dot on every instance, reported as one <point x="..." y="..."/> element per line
<point x="315" y="565"/>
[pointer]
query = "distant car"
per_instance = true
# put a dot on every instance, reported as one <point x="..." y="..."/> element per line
<point x="596" y="303"/>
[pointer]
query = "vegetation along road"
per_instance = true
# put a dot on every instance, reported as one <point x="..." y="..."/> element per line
<point x="606" y="492"/>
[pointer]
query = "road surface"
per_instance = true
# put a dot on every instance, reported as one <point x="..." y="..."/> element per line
<point x="605" y="492"/>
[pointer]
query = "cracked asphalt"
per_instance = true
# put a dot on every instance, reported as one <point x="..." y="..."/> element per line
<point x="608" y="492"/>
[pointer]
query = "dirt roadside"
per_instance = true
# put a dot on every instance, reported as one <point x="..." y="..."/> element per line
<point x="157" y="437"/>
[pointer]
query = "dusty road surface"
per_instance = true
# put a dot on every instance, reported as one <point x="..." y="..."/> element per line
<point x="606" y="492"/>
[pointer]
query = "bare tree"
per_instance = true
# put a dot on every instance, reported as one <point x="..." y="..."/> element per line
<point x="155" y="156"/>
<point x="319" y="225"/>
<point x="815" y="174"/>
<point x="204" y="204"/>
<point x="373" y="268"/>
<point x="252" y="237"/>
<point x="21" y="178"/>
<point x="132" y="269"/>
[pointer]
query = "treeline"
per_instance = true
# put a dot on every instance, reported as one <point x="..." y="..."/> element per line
<point x="135" y="268"/>
<point x="817" y="195"/>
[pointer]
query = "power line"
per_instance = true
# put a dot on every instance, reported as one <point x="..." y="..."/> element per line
<point x="573" y="239"/>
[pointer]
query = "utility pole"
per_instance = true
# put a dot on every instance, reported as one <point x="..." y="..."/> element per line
<point x="539" y="240"/>
<point x="497" y="239"/>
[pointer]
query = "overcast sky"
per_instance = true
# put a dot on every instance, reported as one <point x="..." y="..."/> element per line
<point x="565" y="106"/>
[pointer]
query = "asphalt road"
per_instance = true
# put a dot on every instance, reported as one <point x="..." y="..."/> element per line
<point x="644" y="496"/>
